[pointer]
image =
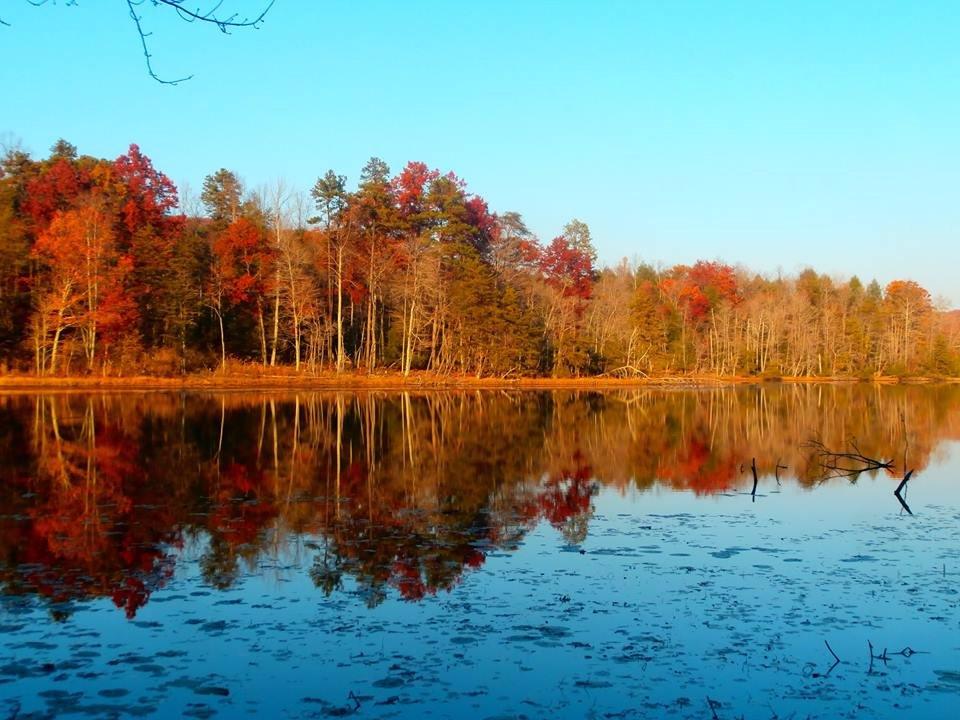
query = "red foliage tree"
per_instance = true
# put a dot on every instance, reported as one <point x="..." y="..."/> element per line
<point x="147" y="195"/>
<point x="55" y="189"/>
<point x="567" y="268"/>
<point x="239" y="273"/>
<point x="702" y="287"/>
<point x="410" y="187"/>
<point x="147" y="230"/>
<point x="86" y="280"/>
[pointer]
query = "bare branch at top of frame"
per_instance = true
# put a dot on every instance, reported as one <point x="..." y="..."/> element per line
<point x="211" y="15"/>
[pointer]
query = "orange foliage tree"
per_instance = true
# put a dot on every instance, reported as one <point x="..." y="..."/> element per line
<point x="85" y="284"/>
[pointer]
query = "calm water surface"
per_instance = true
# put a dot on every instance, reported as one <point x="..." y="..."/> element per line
<point x="483" y="554"/>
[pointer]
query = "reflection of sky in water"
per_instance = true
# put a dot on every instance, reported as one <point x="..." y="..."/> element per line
<point x="675" y="599"/>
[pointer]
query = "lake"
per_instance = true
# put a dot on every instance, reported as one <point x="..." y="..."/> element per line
<point x="500" y="554"/>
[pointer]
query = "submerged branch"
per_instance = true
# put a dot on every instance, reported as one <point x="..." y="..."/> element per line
<point x="885" y="656"/>
<point x="902" y="486"/>
<point x="713" y="705"/>
<point x="846" y="464"/>
<point x="835" y="657"/>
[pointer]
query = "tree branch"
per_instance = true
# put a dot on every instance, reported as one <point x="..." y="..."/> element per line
<point x="146" y="49"/>
<point x="846" y="464"/>
<point x="210" y="16"/>
<point x="224" y="24"/>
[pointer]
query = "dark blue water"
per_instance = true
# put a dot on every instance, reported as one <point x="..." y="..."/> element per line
<point x="480" y="556"/>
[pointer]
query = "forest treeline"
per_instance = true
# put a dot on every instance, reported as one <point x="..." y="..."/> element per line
<point x="105" y="270"/>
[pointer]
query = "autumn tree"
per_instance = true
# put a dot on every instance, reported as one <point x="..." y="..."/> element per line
<point x="414" y="256"/>
<point x="141" y="202"/>
<point x="241" y="254"/>
<point x="908" y="307"/>
<point x="567" y="268"/>
<point x="698" y="293"/>
<point x="87" y="276"/>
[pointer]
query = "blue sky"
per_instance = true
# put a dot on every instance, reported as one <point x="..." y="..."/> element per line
<point x="776" y="135"/>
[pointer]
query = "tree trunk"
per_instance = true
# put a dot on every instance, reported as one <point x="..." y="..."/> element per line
<point x="409" y="351"/>
<point x="340" y="351"/>
<point x="223" y="342"/>
<point x="371" y="312"/>
<point x="276" y="325"/>
<point x="263" y="332"/>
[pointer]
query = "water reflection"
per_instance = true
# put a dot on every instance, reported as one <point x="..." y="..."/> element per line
<point x="100" y="494"/>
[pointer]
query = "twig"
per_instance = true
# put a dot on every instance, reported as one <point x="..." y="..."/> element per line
<point x="146" y="49"/>
<point x="210" y="16"/>
<point x="753" y="467"/>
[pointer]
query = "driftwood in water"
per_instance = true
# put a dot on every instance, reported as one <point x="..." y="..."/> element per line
<point x="836" y="659"/>
<point x="713" y="705"/>
<point x="907" y="652"/>
<point x="846" y="464"/>
<point x="776" y="471"/>
<point x="902" y="486"/>
<point x="753" y="467"/>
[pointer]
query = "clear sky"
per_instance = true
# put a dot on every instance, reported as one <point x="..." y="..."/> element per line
<point x="777" y="135"/>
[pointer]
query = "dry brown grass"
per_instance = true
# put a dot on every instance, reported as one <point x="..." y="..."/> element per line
<point x="253" y="376"/>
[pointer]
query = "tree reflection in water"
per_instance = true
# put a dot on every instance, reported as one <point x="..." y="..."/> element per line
<point x="404" y="492"/>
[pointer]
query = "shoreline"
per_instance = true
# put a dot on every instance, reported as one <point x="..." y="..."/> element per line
<point x="415" y="381"/>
